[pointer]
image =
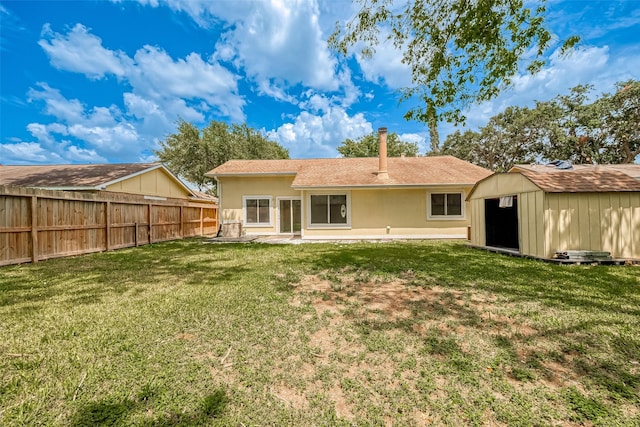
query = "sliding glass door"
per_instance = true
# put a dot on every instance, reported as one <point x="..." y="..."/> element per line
<point x="290" y="213"/>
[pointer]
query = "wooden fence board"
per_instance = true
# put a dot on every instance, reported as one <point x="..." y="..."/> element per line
<point x="40" y="224"/>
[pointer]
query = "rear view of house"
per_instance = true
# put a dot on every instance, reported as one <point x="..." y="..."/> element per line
<point x="537" y="210"/>
<point x="342" y="198"/>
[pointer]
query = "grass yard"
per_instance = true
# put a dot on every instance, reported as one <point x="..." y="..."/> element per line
<point x="420" y="333"/>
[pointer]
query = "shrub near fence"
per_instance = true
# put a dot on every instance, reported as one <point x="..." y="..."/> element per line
<point x="41" y="224"/>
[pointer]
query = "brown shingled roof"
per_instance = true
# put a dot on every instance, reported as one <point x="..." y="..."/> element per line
<point x="583" y="178"/>
<point x="361" y="172"/>
<point x="77" y="176"/>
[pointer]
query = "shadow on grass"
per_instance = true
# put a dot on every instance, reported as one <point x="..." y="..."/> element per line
<point x="111" y="412"/>
<point x="606" y="288"/>
<point x="88" y="279"/>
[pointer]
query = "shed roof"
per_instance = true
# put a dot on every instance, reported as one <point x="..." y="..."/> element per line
<point x="76" y="177"/>
<point x="582" y="178"/>
<point x="360" y="172"/>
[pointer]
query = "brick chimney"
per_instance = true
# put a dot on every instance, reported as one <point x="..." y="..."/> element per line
<point x="382" y="153"/>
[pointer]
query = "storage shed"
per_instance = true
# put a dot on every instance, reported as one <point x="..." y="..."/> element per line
<point x="536" y="210"/>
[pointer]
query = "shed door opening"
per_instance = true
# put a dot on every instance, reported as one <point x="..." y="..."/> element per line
<point x="501" y="224"/>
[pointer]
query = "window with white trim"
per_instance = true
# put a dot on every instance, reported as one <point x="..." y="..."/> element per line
<point x="257" y="210"/>
<point x="446" y="206"/>
<point x="329" y="209"/>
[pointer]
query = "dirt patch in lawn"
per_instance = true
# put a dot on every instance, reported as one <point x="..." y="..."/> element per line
<point x="396" y="300"/>
<point x="371" y="335"/>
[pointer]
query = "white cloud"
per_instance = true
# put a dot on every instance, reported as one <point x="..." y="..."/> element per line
<point x="103" y="130"/>
<point x="57" y="105"/>
<point x="316" y="103"/>
<point x="416" y="138"/>
<point x="82" y="52"/>
<point x="34" y="152"/>
<point x="279" y="43"/>
<point x="83" y="155"/>
<point x="26" y="153"/>
<point x="313" y="135"/>
<point x="163" y="89"/>
<point x="386" y="66"/>
<point x="42" y="133"/>
<point x="265" y="87"/>
<point x="116" y="139"/>
<point x="152" y="73"/>
<point x="156" y="75"/>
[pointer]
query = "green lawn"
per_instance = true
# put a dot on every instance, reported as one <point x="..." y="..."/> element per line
<point x="186" y="333"/>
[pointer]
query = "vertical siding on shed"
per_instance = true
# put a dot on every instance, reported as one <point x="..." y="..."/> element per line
<point x="531" y="223"/>
<point x="593" y="221"/>
<point x="626" y="240"/>
<point x="592" y="205"/>
<point x="611" y="224"/>
<point x="478" y="229"/>
<point x="540" y="224"/>
<point x="634" y="224"/>
<point x="524" y="237"/>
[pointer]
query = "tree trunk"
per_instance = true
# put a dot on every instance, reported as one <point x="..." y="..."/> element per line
<point x="433" y="130"/>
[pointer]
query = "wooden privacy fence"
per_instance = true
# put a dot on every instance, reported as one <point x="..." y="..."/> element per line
<point x="41" y="224"/>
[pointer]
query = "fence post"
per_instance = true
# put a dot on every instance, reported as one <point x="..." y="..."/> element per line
<point x="149" y="229"/>
<point x="34" y="229"/>
<point x="201" y="221"/>
<point x="107" y="227"/>
<point x="181" y="223"/>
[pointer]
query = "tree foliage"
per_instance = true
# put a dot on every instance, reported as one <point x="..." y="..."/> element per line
<point x="368" y="146"/>
<point x="568" y="127"/>
<point x="622" y="119"/>
<point x="190" y="153"/>
<point x="507" y="139"/>
<point x="459" y="51"/>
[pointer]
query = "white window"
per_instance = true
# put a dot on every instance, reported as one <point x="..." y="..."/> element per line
<point x="257" y="211"/>
<point x="446" y="205"/>
<point x="329" y="210"/>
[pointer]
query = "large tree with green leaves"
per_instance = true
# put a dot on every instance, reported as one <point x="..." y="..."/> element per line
<point x="622" y="120"/>
<point x="509" y="138"/>
<point x="191" y="153"/>
<point x="459" y="51"/>
<point x="568" y="127"/>
<point x="368" y="146"/>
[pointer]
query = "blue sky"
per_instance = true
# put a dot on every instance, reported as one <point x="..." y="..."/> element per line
<point x="104" y="81"/>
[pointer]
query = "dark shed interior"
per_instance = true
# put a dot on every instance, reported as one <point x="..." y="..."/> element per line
<point x="501" y="224"/>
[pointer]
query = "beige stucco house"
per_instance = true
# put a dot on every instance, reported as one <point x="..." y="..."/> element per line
<point x="151" y="180"/>
<point x="349" y="198"/>
<point x="536" y="210"/>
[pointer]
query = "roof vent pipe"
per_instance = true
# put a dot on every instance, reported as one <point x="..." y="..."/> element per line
<point x="382" y="153"/>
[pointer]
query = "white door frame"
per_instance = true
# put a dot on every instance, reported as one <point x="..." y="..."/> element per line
<point x="278" y="214"/>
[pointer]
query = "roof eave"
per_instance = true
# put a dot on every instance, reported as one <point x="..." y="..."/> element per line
<point x="379" y="186"/>
<point x="67" y="188"/>
<point x="248" y="174"/>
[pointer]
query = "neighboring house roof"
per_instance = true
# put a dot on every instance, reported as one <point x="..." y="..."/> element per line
<point x="360" y="172"/>
<point x="582" y="178"/>
<point x="204" y="196"/>
<point x="77" y="177"/>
